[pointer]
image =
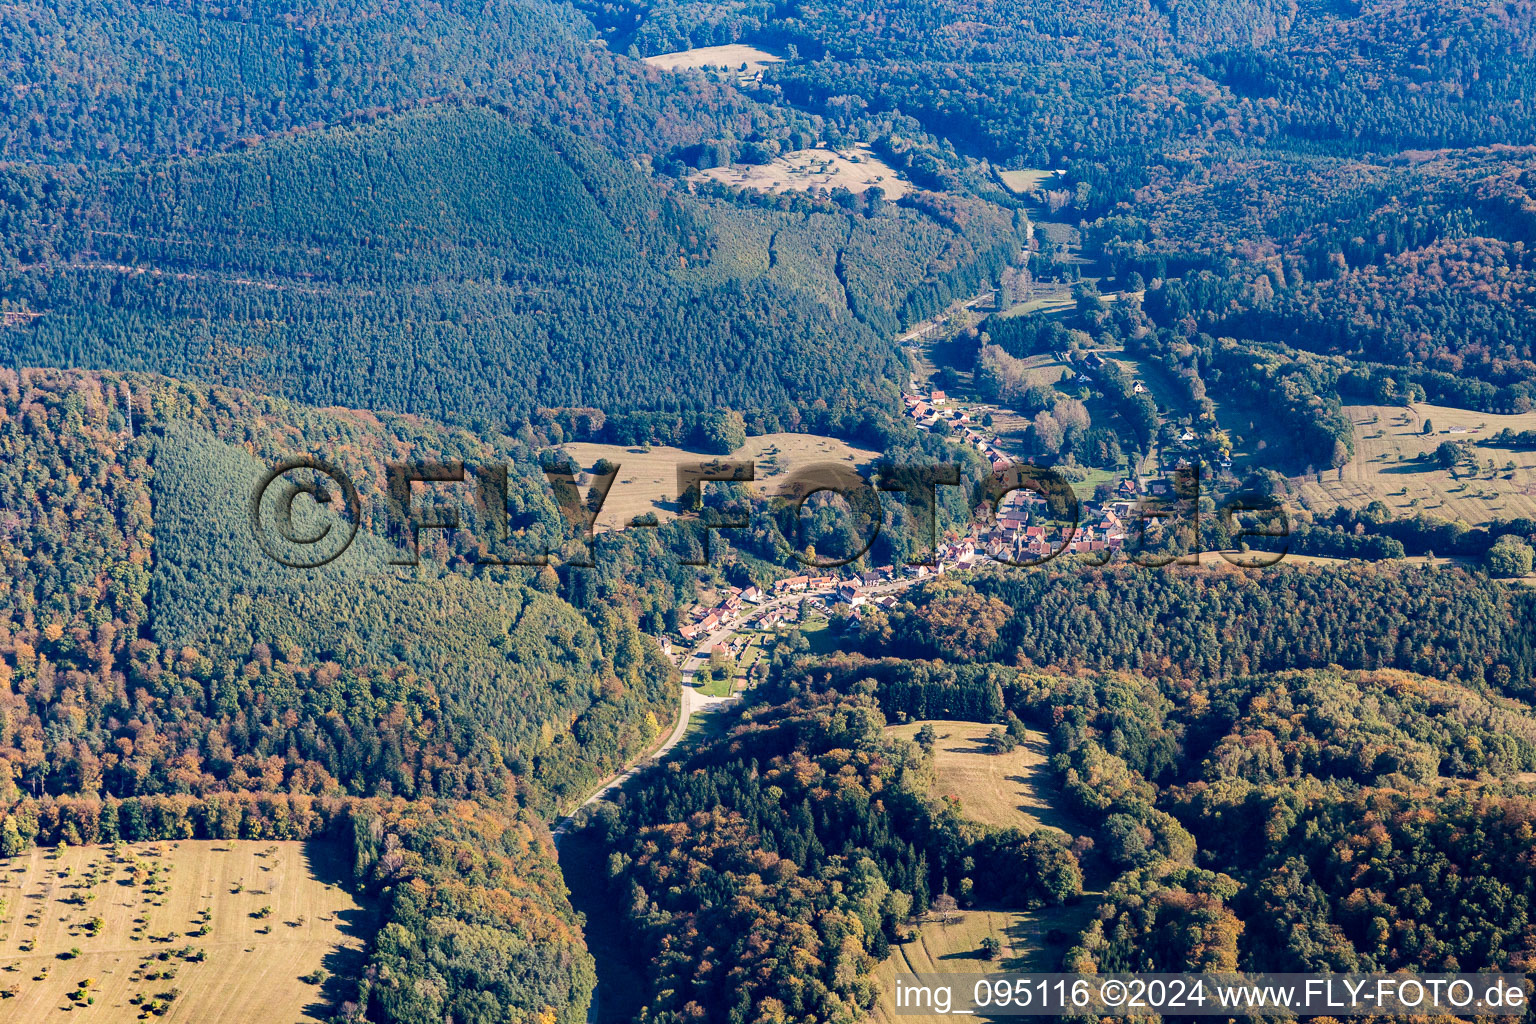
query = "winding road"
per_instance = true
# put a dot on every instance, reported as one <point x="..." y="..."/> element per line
<point x="694" y="701"/>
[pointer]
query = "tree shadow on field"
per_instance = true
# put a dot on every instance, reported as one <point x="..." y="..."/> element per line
<point x="974" y="746"/>
<point x="326" y="861"/>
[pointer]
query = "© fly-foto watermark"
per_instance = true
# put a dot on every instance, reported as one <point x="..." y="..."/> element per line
<point x="1045" y="492"/>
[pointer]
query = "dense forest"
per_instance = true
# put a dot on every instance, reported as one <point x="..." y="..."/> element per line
<point x="1441" y="622"/>
<point x="406" y="265"/>
<point x="476" y="234"/>
<point x="161" y="678"/>
<point x="1300" y="820"/>
<point x="100" y="83"/>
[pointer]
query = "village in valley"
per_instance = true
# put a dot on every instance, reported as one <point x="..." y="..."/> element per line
<point x="724" y="636"/>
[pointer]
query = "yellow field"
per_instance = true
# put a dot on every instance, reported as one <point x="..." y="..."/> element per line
<point x="1033" y="941"/>
<point x="857" y="169"/>
<point x="647" y="480"/>
<point x="1055" y="303"/>
<point x="726" y="58"/>
<point x="150" y="899"/>
<point x="1025" y="181"/>
<point x="1387" y="441"/>
<point x="1012" y="790"/>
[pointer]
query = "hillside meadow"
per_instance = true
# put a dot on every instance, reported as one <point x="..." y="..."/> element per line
<point x="1386" y="467"/>
<point x="1011" y="790"/>
<point x="647" y="480"/>
<point x="212" y="932"/>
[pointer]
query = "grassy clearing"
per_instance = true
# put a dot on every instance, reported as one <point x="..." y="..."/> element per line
<point x="1012" y="790"/>
<point x="1045" y="370"/>
<point x="725" y="58"/>
<point x="647" y="481"/>
<point x="755" y="651"/>
<point x="1032" y="941"/>
<point x="713" y="687"/>
<point x="1085" y="487"/>
<point x="1043" y="304"/>
<point x="1169" y="399"/>
<point x="1009" y="426"/>
<point x="818" y="633"/>
<point x="151" y="901"/>
<point x="1023" y="182"/>
<point x="1247" y="439"/>
<point x="856" y="168"/>
<point x="702" y="726"/>
<point x="1388" y="440"/>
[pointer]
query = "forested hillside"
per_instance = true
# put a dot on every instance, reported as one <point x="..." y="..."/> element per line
<point x="130" y="553"/>
<point x="407" y="265"/>
<point x="1351" y="180"/>
<point x="1444" y="623"/>
<point x="476" y="233"/>
<point x="118" y="84"/>
<point x="158" y="679"/>
<point x="1289" y="821"/>
<point x="1235" y="233"/>
<point x="807" y="845"/>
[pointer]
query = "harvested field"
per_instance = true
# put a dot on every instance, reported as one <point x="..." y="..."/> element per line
<point x="93" y="933"/>
<point x="647" y="481"/>
<point x="857" y="169"/>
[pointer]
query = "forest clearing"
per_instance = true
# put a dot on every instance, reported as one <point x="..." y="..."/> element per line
<point x="1386" y="467"/>
<point x="1010" y="790"/>
<point x="857" y="169"/>
<point x="212" y="932"/>
<point x="728" y="58"/>
<point x="647" y="480"/>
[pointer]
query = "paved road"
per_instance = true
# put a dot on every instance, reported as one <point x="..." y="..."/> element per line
<point x="696" y="702"/>
<point x="927" y="325"/>
<point x="693" y="703"/>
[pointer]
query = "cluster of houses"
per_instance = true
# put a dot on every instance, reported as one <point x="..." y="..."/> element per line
<point x="1020" y="532"/>
<point x="928" y="412"/>
<point x="704" y="621"/>
<point x="1102" y="527"/>
<point x="935" y="409"/>
<point x="817" y="592"/>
